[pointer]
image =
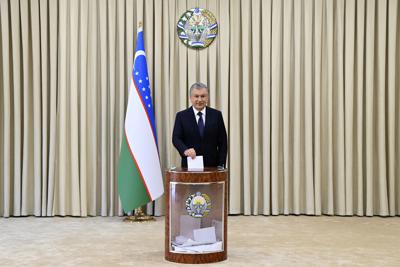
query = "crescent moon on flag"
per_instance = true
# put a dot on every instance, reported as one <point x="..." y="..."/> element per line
<point x="139" y="53"/>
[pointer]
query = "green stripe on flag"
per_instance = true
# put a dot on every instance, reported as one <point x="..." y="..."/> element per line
<point x="131" y="189"/>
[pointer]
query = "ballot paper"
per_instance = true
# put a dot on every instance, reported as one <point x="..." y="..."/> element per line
<point x="196" y="163"/>
<point x="183" y="241"/>
<point x="215" y="247"/>
<point x="205" y="235"/>
<point x="204" y="241"/>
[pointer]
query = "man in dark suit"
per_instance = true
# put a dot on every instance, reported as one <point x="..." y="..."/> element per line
<point x="200" y="130"/>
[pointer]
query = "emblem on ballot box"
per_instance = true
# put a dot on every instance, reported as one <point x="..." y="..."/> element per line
<point x="198" y="205"/>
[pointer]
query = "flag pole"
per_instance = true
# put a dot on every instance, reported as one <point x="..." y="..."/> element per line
<point x="139" y="214"/>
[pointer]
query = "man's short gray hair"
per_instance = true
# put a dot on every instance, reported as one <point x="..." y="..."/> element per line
<point x="197" y="85"/>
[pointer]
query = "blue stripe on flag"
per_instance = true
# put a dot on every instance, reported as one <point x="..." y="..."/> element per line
<point x="141" y="78"/>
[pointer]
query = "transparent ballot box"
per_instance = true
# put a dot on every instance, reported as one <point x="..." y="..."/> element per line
<point x="196" y="217"/>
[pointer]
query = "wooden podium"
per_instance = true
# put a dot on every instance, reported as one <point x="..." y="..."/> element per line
<point x="196" y="215"/>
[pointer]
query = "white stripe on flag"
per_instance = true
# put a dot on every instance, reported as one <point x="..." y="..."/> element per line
<point x="140" y="138"/>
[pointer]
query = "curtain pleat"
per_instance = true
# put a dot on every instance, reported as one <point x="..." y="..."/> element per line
<point x="317" y="105"/>
<point x="287" y="84"/>
<point x="83" y="106"/>
<point x="359" y="109"/>
<point x="349" y="103"/>
<point x="308" y="109"/>
<point x="235" y="144"/>
<point x="254" y="113"/>
<point x="393" y="179"/>
<point x="308" y="89"/>
<point x="5" y="185"/>
<point x="52" y="71"/>
<point x="370" y="108"/>
<point x="246" y="104"/>
<point x="277" y="150"/>
<point x="266" y="32"/>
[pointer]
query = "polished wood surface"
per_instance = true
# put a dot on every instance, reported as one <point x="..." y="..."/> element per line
<point x="197" y="176"/>
<point x="183" y="175"/>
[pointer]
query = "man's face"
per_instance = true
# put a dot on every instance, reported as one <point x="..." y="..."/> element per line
<point x="199" y="98"/>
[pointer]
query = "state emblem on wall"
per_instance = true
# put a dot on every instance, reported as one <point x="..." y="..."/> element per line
<point x="197" y="28"/>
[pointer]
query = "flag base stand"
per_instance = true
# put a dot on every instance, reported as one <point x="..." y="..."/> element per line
<point x="139" y="217"/>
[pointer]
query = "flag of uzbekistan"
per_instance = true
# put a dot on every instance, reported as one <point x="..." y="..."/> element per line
<point x="139" y="173"/>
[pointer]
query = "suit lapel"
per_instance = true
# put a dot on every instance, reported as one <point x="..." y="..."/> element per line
<point x="208" y="120"/>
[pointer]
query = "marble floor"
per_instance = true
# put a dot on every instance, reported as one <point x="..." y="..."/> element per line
<point x="252" y="241"/>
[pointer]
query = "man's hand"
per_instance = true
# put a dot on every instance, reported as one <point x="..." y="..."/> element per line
<point x="190" y="153"/>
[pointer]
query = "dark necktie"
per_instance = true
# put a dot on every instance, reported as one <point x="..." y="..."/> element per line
<point x="200" y="123"/>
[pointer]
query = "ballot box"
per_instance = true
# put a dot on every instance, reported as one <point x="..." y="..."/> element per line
<point x="196" y="215"/>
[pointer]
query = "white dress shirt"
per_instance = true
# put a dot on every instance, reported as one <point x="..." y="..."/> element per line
<point x="198" y="117"/>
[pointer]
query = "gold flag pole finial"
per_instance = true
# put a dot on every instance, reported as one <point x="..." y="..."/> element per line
<point x="140" y="24"/>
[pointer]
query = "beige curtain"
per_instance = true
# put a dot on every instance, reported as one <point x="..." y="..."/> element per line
<point x="309" y="89"/>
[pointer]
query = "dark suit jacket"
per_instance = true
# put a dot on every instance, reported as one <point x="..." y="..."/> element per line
<point x="213" y="146"/>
